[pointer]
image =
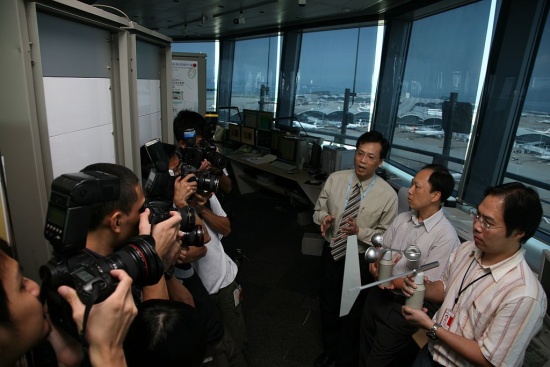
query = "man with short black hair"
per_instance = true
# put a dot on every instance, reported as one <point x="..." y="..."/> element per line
<point x="113" y="223"/>
<point x="492" y="303"/>
<point x="352" y="202"/>
<point x="385" y="334"/>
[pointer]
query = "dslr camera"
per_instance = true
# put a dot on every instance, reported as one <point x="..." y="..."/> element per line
<point x="159" y="191"/>
<point x="195" y="154"/>
<point x="66" y="228"/>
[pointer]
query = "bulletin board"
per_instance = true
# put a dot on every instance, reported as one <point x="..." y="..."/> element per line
<point x="189" y="82"/>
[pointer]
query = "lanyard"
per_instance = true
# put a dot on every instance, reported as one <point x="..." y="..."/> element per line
<point x="461" y="290"/>
<point x="362" y="195"/>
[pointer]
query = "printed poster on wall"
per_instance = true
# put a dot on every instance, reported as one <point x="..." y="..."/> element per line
<point x="185" y="93"/>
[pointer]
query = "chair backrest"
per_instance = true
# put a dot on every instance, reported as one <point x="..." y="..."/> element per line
<point x="402" y="200"/>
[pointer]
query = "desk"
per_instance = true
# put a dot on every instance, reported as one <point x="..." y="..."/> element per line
<point x="290" y="184"/>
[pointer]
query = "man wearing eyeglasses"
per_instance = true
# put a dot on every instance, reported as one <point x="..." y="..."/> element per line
<point x="492" y="303"/>
<point x="352" y="202"/>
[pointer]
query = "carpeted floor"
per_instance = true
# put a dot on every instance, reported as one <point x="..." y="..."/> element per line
<point x="280" y="284"/>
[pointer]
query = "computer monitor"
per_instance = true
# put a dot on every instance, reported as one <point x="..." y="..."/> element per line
<point x="288" y="149"/>
<point x="275" y="136"/>
<point x="248" y="135"/>
<point x="250" y="118"/>
<point x="265" y="120"/>
<point x="263" y="139"/>
<point x="544" y="278"/>
<point x="234" y="133"/>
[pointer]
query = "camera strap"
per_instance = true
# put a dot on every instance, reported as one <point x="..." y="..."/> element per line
<point x="88" y="306"/>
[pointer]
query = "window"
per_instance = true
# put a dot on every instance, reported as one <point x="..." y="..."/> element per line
<point x="211" y="49"/>
<point x="331" y="62"/>
<point x="255" y="74"/>
<point x="530" y="159"/>
<point x="440" y="88"/>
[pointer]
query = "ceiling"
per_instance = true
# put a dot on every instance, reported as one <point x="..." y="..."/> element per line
<point x="218" y="19"/>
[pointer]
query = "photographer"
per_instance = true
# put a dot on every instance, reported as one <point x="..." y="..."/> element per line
<point x="24" y="325"/>
<point x="114" y="223"/>
<point x="188" y="121"/>
<point x="216" y="270"/>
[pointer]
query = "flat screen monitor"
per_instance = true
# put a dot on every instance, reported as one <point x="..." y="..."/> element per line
<point x="263" y="139"/>
<point x="250" y="118"/>
<point x="265" y="119"/>
<point x="275" y="136"/>
<point x="288" y="149"/>
<point x="248" y="135"/>
<point x="544" y="278"/>
<point x="234" y="133"/>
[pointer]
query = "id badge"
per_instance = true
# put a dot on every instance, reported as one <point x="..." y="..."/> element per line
<point x="448" y="318"/>
<point x="237" y="295"/>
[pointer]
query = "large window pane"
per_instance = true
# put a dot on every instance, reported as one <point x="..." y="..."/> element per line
<point x="330" y="63"/>
<point x="530" y="160"/>
<point x="211" y="49"/>
<point x="440" y="87"/>
<point x="255" y="74"/>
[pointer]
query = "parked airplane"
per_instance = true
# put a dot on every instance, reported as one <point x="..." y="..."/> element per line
<point x="307" y="125"/>
<point x="433" y="133"/>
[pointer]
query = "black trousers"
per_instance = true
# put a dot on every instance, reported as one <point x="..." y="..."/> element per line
<point x="386" y="337"/>
<point x="340" y="334"/>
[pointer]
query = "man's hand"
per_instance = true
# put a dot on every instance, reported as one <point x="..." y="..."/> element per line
<point x="350" y="226"/>
<point x="417" y="317"/>
<point x="166" y="235"/>
<point x="183" y="189"/>
<point x="68" y="351"/>
<point x="326" y="224"/>
<point x="108" y="321"/>
<point x="409" y="286"/>
<point x="205" y="165"/>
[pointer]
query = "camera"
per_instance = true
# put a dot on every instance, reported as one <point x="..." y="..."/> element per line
<point x="193" y="235"/>
<point x="66" y="228"/>
<point x="194" y="154"/>
<point x="207" y="182"/>
<point x="159" y="190"/>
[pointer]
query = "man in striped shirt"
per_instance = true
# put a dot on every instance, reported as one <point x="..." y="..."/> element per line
<point x="492" y="303"/>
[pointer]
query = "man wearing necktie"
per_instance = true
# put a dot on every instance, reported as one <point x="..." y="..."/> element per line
<point x="352" y="202"/>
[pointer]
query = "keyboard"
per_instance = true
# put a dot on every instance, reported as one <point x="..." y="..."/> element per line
<point x="536" y="354"/>
<point x="283" y="165"/>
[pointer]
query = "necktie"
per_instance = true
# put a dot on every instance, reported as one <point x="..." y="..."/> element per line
<point x="338" y="246"/>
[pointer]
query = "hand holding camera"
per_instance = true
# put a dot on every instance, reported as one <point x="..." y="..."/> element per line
<point x="165" y="234"/>
<point x="108" y="321"/>
<point x="184" y="188"/>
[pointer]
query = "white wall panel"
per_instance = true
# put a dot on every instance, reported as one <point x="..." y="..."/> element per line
<point x="149" y="127"/>
<point x="74" y="104"/>
<point x="73" y="151"/>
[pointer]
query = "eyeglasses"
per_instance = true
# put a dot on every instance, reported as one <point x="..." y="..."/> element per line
<point x="360" y="154"/>
<point x="484" y="225"/>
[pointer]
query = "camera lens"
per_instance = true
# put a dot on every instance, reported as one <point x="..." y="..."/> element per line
<point x="194" y="237"/>
<point x="217" y="160"/>
<point x="208" y="183"/>
<point x="140" y="260"/>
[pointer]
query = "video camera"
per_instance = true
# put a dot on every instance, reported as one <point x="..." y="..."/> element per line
<point x="66" y="228"/>
<point x="159" y="191"/>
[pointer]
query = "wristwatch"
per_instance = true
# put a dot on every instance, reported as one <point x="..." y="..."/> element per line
<point x="431" y="333"/>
